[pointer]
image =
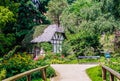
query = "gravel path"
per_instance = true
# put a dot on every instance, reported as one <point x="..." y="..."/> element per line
<point x="71" y="72"/>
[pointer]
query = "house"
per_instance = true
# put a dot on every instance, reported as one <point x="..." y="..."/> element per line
<point x="53" y="34"/>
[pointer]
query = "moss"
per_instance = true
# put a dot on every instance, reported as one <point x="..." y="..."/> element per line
<point x="35" y="32"/>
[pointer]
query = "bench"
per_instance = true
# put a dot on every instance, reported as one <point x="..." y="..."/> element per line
<point x="87" y="57"/>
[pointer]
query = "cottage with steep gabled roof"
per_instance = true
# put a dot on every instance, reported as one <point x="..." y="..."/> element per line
<point x="54" y="35"/>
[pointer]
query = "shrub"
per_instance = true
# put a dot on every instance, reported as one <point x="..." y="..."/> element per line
<point x="66" y="48"/>
<point x="42" y="62"/>
<point x="22" y="62"/>
<point x="50" y="72"/>
<point x="46" y="46"/>
<point x="114" y="63"/>
<point x="72" y="57"/>
<point x="18" y="63"/>
<point x="56" y="61"/>
<point x="2" y="74"/>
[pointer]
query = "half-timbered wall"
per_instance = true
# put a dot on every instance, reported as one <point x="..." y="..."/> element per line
<point x="57" y="42"/>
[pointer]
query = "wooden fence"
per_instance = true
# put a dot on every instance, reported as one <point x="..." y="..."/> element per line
<point x="28" y="74"/>
<point x="113" y="73"/>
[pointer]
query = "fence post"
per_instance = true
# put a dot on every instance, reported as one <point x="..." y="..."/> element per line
<point x="29" y="77"/>
<point x="104" y="74"/>
<point x="111" y="77"/>
<point x="44" y="74"/>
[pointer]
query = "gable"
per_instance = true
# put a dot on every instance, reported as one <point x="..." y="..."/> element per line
<point x="51" y="32"/>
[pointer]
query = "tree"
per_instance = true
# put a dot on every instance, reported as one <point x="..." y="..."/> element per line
<point x="84" y="41"/>
<point x="55" y="10"/>
<point x="88" y="16"/>
<point x="29" y="15"/>
<point x="6" y="40"/>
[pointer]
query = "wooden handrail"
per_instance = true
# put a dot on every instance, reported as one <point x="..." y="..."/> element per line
<point x="111" y="71"/>
<point x="28" y="74"/>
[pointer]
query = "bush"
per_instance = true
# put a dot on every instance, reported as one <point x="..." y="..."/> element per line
<point x="114" y="63"/>
<point x="22" y="62"/>
<point x="18" y="63"/>
<point x="71" y="57"/>
<point x="2" y="74"/>
<point x="46" y="46"/>
<point x="42" y="62"/>
<point x="50" y="72"/>
<point x="66" y="49"/>
<point x="56" y="61"/>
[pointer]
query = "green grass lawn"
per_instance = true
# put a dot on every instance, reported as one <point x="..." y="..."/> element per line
<point x="95" y="73"/>
<point x="40" y="79"/>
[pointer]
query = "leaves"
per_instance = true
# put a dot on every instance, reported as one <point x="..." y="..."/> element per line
<point x="6" y="41"/>
<point x="55" y="10"/>
<point x="5" y="16"/>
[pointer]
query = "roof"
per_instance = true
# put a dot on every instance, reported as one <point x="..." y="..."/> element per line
<point x="48" y="34"/>
<point x="33" y="33"/>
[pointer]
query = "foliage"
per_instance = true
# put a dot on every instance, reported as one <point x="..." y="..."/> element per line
<point x="86" y="20"/>
<point x="2" y="74"/>
<point x="22" y="62"/>
<point x="55" y="58"/>
<point x="83" y="41"/>
<point x="56" y="61"/>
<point x="87" y="14"/>
<point x="95" y="73"/>
<point x="71" y="1"/>
<point x="10" y="53"/>
<point x="5" y="16"/>
<point x="18" y="63"/>
<point x="71" y="57"/>
<point x="28" y="16"/>
<point x="46" y="46"/>
<point x="55" y="10"/>
<point x="40" y="79"/>
<point x="34" y="32"/>
<point x="114" y="63"/>
<point x="107" y="42"/>
<point x="66" y="49"/>
<point x="50" y="72"/>
<point x="6" y="41"/>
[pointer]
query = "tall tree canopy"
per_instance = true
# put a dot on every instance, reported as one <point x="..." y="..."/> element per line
<point x="91" y="16"/>
<point x="17" y="18"/>
<point x="6" y="40"/>
<point x="30" y="13"/>
<point x="55" y="10"/>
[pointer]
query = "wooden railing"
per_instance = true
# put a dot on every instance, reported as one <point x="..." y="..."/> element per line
<point x="28" y="74"/>
<point x="113" y="73"/>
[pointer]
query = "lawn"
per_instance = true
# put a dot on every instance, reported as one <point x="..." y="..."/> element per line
<point x="95" y="73"/>
<point x="40" y="79"/>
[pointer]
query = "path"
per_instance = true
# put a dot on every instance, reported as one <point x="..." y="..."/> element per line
<point x="71" y="72"/>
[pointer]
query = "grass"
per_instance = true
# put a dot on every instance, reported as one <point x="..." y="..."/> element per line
<point x="40" y="79"/>
<point x="81" y="61"/>
<point x="95" y="73"/>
